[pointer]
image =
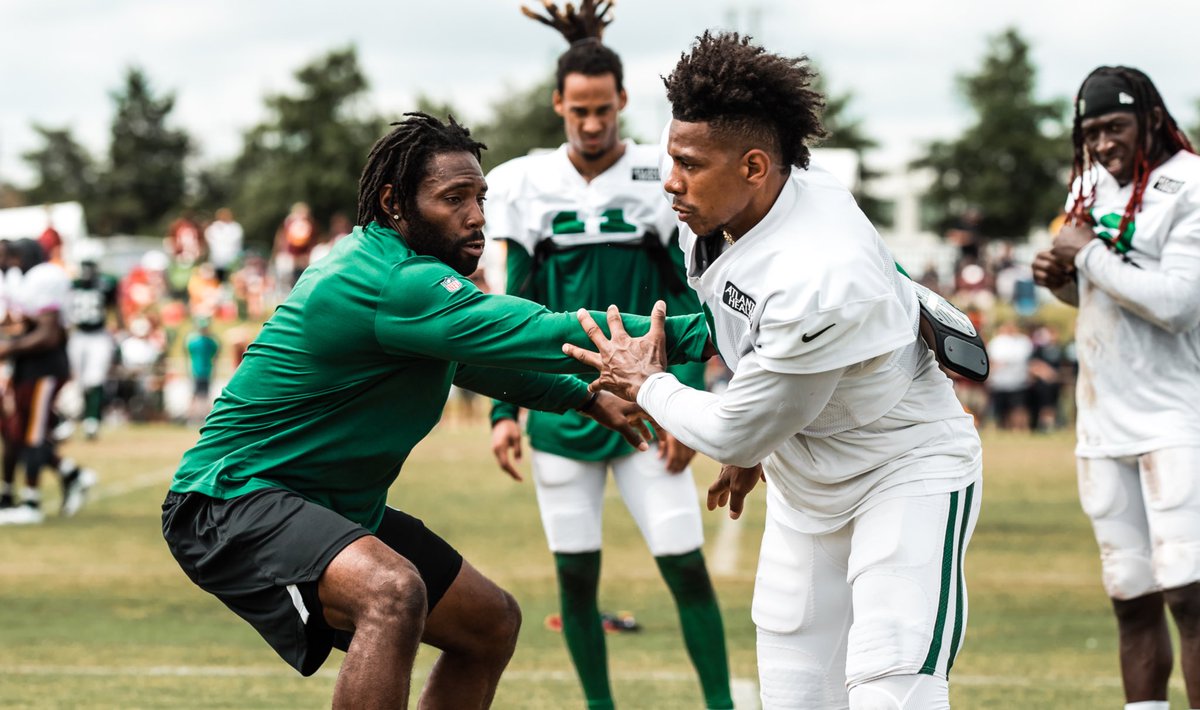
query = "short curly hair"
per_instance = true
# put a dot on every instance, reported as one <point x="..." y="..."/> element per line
<point x="746" y="93"/>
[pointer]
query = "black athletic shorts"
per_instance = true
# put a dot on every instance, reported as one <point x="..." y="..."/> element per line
<point x="262" y="553"/>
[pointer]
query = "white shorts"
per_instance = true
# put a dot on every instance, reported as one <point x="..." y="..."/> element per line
<point x="882" y="596"/>
<point x="1145" y="511"/>
<point x="91" y="356"/>
<point x="571" y="499"/>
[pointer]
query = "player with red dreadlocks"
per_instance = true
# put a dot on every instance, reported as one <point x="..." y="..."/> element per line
<point x="1129" y="258"/>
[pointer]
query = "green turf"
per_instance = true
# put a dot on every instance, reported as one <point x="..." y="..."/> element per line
<point x="95" y="614"/>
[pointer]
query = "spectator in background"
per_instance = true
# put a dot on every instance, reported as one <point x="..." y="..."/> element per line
<point x="966" y="233"/>
<point x="224" y="237"/>
<point x="201" y="348"/>
<point x="339" y="227"/>
<point x="294" y="242"/>
<point x="142" y="352"/>
<point x="1008" y="384"/>
<point x="1045" y="370"/>
<point x="204" y="291"/>
<point x="251" y="284"/>
<point x="185" y="241"/>
<point x="143" y="287"/>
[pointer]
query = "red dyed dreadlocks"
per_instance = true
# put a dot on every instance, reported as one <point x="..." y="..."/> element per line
<point x="1168" y="138"/>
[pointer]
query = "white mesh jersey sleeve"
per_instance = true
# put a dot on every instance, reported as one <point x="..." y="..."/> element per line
<point x="757" y="412"/>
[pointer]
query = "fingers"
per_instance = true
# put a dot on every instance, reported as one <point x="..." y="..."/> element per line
<point x="630" y="434"/>
<point x="592" y="329"/>
<point x="644" y="431"/>
<point x="506" y="465"/>
<point x="587" y="357"/>
<point x="616" y="327"/>
<point x="736" y="500"/>
<point x="719" y="488"/>
<point x="664" y="451"/>
<point x="658" y="321"/>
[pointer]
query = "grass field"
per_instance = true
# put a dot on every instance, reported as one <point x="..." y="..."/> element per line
<point x="95" y="614"/>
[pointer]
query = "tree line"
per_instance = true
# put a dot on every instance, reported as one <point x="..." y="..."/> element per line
<point x="1009" y="163"/>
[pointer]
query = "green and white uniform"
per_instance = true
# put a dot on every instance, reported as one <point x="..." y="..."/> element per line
<point x="578" y="244"/>
<point x="354" y="369"/>
<point x="873" y="468"/>
<point x="574" y="243"/>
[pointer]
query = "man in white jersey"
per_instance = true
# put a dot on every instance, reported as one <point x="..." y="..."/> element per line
<point x="1130" y="259"/>
<point x="586" y="226"/>
<point x="873" y="468"/>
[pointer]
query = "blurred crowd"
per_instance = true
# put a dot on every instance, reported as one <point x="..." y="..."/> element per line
<point x="179" y="319"/>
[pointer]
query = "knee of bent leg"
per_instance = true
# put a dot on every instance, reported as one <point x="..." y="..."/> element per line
<point x="395" y="594"/>
<point x="507" y="624"/>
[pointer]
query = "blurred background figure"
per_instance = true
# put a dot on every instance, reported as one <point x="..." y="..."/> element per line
<point x="52" y="245"/>
<point x="339" y="227"/>
<point x="1009" y="350"/>
<point x="139" y="387"/>
<point x="294" y="242"/>
<point x="202" y="349"/>
<point x="40" y="367"/>
<point x="224" y="237"/>
<point x="204" y="291"/>
<point x="185" y="242"/>
<point x="1047" y="364"/>
<point x="91" y="346"/>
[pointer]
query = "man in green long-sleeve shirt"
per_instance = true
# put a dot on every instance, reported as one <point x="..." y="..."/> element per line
<point x="279" y="510"/>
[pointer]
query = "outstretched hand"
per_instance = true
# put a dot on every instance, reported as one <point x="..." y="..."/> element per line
<point x="624" y="362"/>
<point x="732" y="486"/>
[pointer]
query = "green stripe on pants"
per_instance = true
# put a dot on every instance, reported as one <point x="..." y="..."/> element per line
<point x="962" y="586"/>
<point x="935" y="647"/>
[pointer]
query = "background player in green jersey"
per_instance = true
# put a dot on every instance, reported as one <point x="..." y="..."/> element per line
<point x="588" y="226"/>
<point x="279" y="510"/>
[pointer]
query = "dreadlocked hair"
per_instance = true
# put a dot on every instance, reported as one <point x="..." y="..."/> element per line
<point x="584" y="30"/>
<point x="1166" y="140"/>
<point x="745" y="92"/>
<point x="400" y="159"/>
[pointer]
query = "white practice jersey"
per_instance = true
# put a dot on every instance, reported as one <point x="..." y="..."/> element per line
<point x="527" y="194"/>
<point x="1137" y="333"/>
<point x="810" y="290"/>
<point x="45" y="287"/>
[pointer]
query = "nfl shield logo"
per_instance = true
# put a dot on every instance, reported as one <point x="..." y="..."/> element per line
<point x="451" y="284"/>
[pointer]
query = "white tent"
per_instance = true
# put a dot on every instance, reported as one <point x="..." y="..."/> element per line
<point x="29" y="222"/>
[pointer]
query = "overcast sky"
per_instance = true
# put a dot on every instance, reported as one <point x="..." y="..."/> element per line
<point x="60" y="59"/>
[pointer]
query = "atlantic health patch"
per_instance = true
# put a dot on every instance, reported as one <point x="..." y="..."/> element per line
<point x="738" y="301"/>
<point x="1167" y="185"/>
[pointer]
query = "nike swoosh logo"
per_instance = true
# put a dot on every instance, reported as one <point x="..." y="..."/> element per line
<point x="807" y="338"/>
